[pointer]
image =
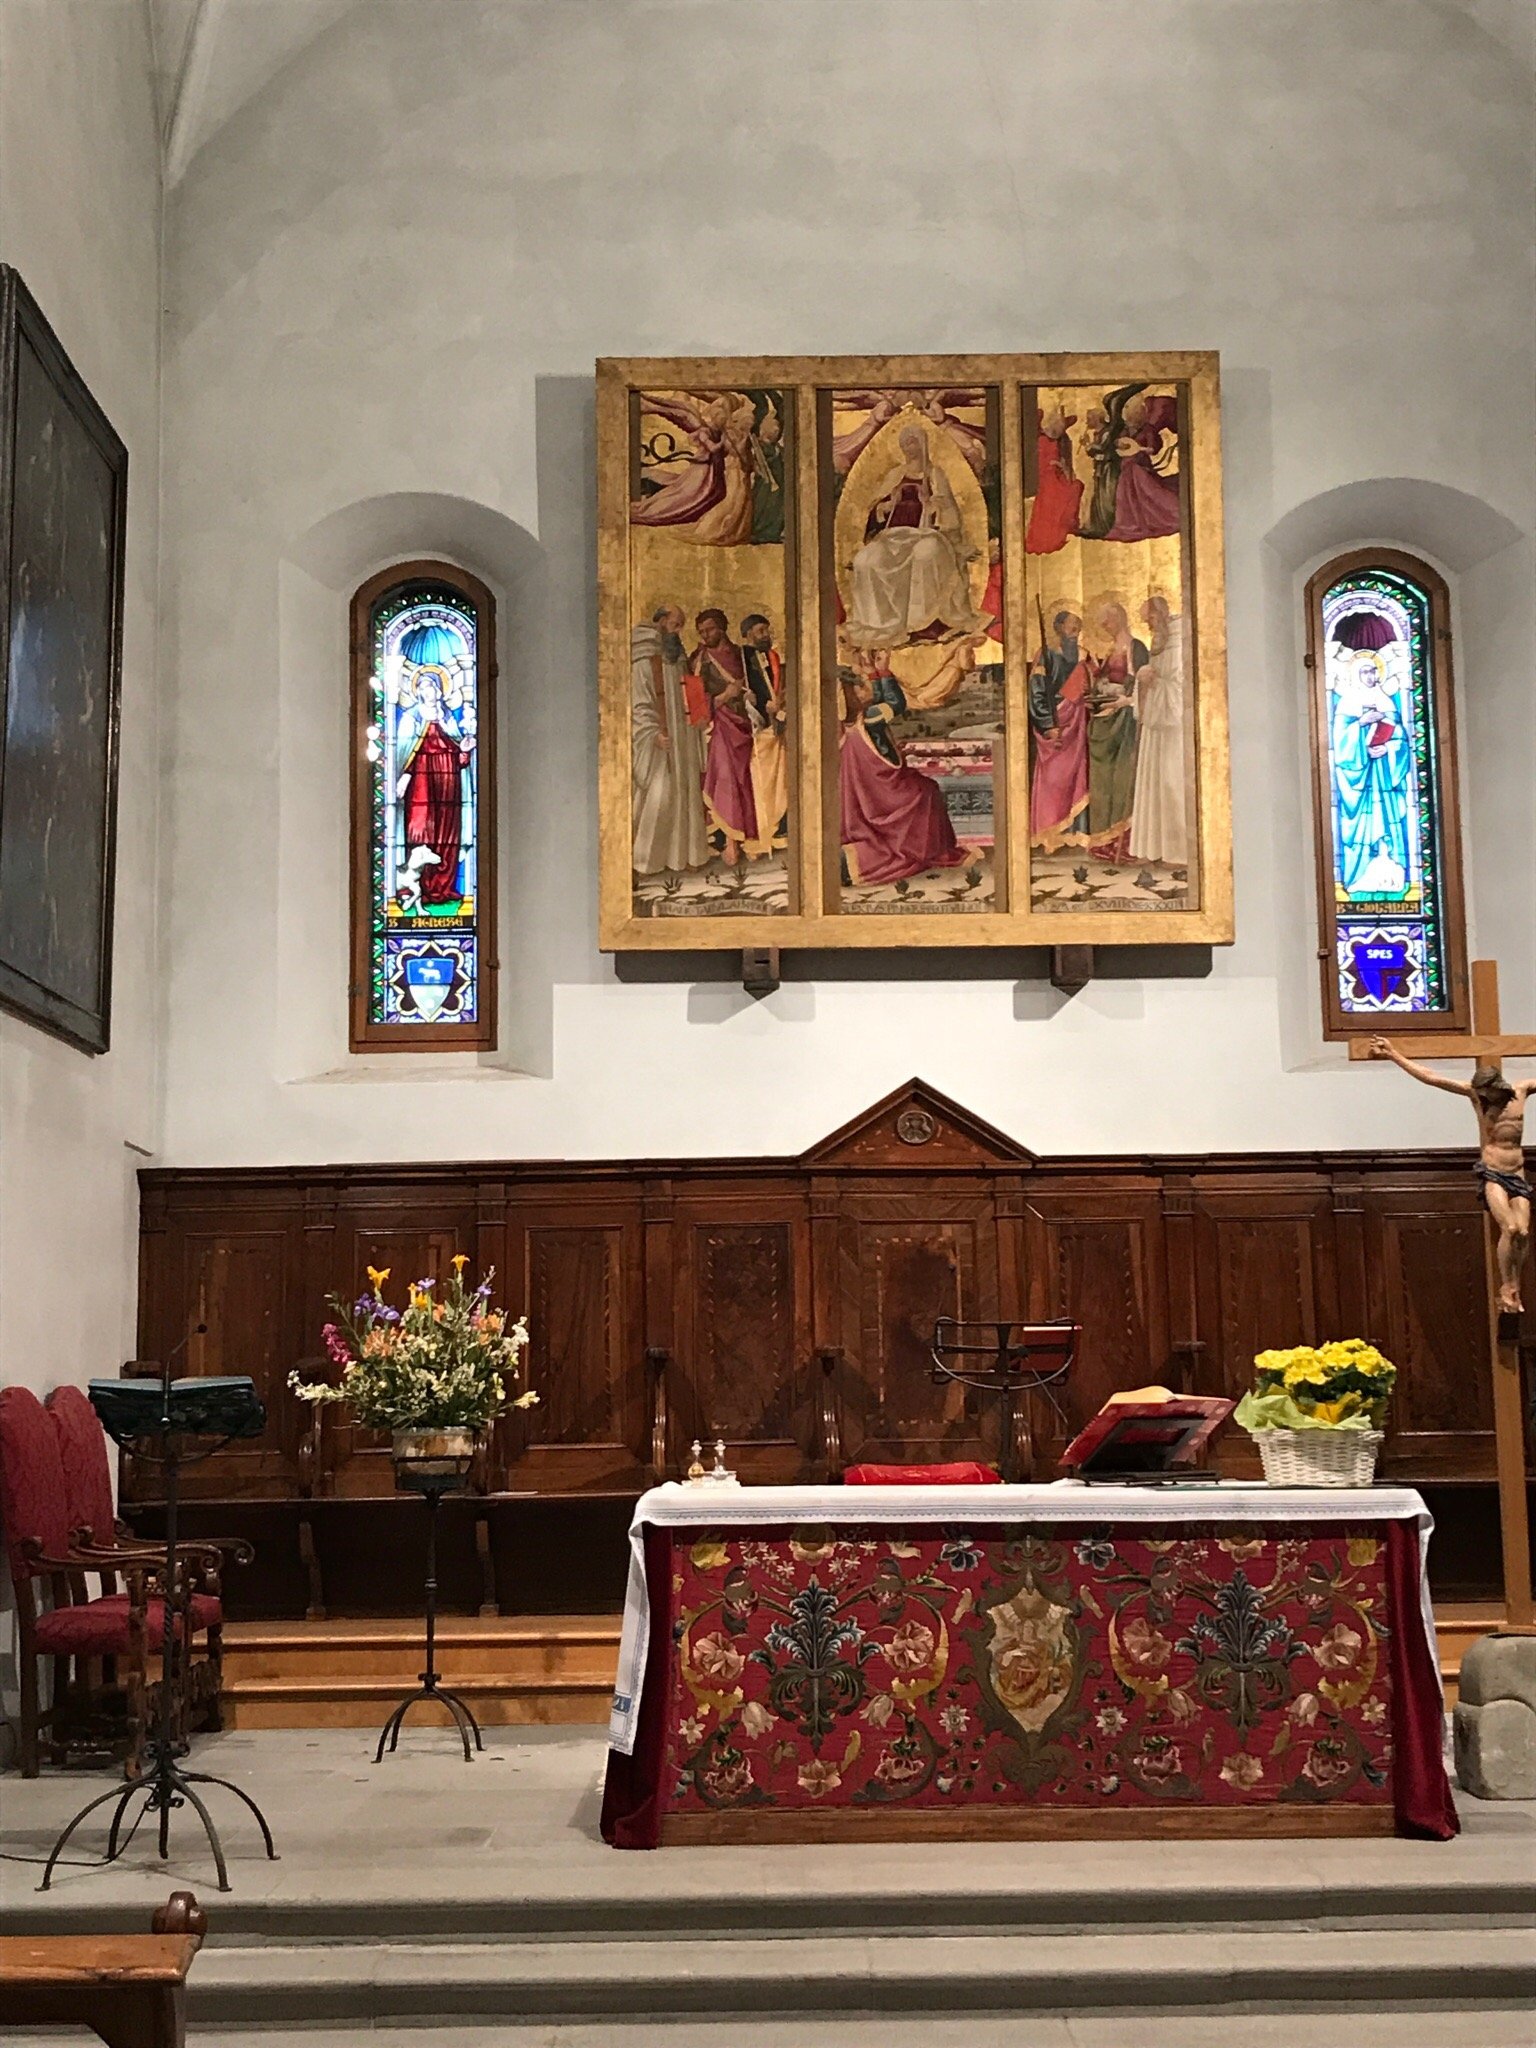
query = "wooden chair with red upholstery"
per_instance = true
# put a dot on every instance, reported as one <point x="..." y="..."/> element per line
<point x="106" y="1546"/>
<point x="124" y="1627"/>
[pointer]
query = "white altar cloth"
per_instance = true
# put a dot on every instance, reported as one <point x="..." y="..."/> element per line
<point x="676" y="1506"/>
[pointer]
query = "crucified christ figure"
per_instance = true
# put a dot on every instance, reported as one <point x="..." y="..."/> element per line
<point x="1506" y="1193"/>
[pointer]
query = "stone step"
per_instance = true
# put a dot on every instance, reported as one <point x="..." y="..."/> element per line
<point x="1318" y="2027"/>
<point x="347" y="1673"/>
<point x="1426" y="1896"/>
<point x="325" y="1985"/>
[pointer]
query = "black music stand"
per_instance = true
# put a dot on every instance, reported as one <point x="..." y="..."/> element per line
<point x="133" y="1411"/>
<point x="432" y="1478"/>
<point x="1025" y="1358"/>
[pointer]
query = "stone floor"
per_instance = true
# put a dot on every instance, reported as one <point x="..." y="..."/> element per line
<point x="521" y="1822"/>
<point x="425" y="1863"/>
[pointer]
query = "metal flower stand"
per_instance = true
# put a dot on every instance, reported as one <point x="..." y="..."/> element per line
<point x="432" y="1478"/>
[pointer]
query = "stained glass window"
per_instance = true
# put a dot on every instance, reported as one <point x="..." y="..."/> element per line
<point x="422" y="853"/>
<point x="1389" y="867"/>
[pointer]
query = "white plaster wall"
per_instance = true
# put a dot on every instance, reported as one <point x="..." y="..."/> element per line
<point x="80" y="219"/>
<point x="388" y="276"/>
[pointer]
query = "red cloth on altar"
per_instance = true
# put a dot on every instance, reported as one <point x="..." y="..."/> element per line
<point x="965" y="1473"/>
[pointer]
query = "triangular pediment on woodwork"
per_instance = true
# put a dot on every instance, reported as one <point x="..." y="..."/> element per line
<point x="916" y="1126"/>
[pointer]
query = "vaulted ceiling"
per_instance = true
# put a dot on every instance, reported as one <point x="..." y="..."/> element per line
<point x="212" y="56"/>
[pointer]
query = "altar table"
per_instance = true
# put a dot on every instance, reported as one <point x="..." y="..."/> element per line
<point x="1013" y="1662"/>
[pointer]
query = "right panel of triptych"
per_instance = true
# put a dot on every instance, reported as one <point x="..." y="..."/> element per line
<point x="1110" y="617"/>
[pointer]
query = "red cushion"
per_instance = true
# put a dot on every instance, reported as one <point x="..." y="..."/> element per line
<point x="966" y="1474"/>
<point x="33" y="1499"/>
<point x="87" y="1464"/>
<point x="99" y="1628"/>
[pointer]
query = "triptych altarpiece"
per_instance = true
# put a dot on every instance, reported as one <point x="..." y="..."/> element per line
<point x="912" y="651"/>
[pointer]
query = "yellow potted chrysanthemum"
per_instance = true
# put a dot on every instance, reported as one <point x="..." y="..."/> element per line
<point x="1316" y="1412"/>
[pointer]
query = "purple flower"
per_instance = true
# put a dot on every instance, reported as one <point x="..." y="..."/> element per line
<point x="383" y="1313"/>
<point x="365" y="1305"/>
<point x="424" y="1286"/>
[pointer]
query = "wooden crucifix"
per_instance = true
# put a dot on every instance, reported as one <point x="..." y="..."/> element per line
<point x="1506" y="1198"/>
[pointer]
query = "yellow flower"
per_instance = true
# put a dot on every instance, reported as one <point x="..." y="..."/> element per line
<point x="1307" y="1369"/>
<point x="419" y="1299"/>
<point x="378" y="1275"/>
<point x="459" y="1261"/>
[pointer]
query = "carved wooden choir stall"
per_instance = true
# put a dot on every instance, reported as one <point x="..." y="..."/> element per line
<point x="789" y="1305"/>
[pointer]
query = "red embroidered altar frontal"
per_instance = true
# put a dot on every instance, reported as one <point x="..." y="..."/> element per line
<point x="871" y="1671"/>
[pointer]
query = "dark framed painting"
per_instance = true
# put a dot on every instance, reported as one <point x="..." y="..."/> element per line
<point x="63" y="502"/>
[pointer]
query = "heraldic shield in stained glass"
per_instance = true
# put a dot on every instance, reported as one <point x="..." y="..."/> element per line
<point x="424" y="936"/>
<point x="1384" y="796"/>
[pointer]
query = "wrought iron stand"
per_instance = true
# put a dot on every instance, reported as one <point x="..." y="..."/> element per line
<point x="164" y="1785"/>
<point x="1025" y="1358"/>
<point x="432" y="1480"/>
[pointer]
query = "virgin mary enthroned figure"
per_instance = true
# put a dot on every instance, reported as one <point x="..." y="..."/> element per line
<point x="907" y="582"/>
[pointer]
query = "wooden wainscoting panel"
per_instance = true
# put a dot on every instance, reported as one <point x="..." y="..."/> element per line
<point x="1099" y="1258"/>
<point x="903" y="1261"/>
<point x="742" y="1334"/>
<point x="226" y="1300"/>
<point x="582" y="1293"/>
<point x="1429" y="1314"/>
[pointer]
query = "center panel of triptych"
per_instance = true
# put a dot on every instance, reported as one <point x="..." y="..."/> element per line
<point x="711" y="581"/>
<point x="1113" y="803"/>
<point x="912" y="628"/>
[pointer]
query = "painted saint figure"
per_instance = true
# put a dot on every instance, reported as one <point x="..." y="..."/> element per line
<point x="1159" y="802"/>
<point x="437" y="741"/>
<point x="895" y="822"/>
<point x="1112" y="733"/>
<point x="1058" y="719"/>
<point x="1372" y="780"/>
<point x="716" y="686"/>
<point x="1500" y="1169"/>
<point x="1058" y="489"/>
<point x="765" y="708"/>
<point x="667" y="755"/>
<point x="908" y="579"/>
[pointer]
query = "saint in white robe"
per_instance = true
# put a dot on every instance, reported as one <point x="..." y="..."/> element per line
<point x="667" y="754"/>
<point x="1160" y="802"/>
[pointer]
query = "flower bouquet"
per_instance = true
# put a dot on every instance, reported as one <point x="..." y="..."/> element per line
<point x="1316" y="1412"/>
<point x="434" y="1373"/>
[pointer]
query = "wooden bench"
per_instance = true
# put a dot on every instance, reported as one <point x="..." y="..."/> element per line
<point x="131" y="1989"/>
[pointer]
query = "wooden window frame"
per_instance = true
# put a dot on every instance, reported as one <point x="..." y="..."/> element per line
<point x="366" y="1036"/>
<point x="1339" y="1023"/>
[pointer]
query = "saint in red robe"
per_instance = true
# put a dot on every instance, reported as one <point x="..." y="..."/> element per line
<point x="434" y="798"/>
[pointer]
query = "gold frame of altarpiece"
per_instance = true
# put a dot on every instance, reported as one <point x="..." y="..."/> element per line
<point x="816" y="913"/>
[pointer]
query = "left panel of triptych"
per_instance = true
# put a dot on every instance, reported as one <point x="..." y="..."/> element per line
<point x="710" y="586"/>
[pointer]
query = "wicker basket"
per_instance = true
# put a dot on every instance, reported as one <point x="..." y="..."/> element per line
<point x="1318" y="1457"/>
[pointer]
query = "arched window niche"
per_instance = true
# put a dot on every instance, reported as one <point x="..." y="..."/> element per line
<point x="1391" y="924"/>
<point x="423" y="811"/>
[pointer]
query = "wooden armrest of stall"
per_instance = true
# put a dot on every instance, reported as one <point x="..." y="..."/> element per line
<point x="130" y="1989"/>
